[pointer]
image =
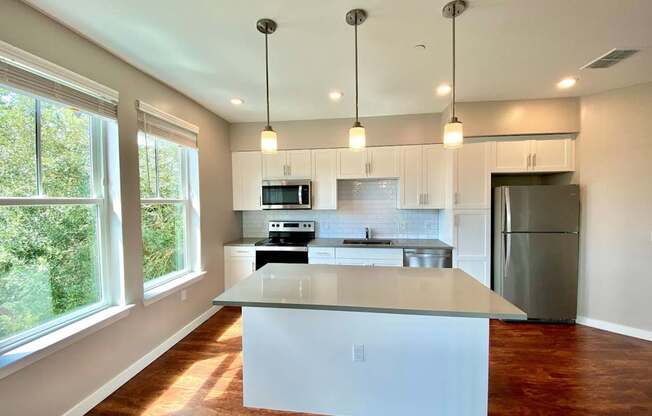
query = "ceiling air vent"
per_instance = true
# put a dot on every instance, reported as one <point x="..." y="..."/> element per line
<point x="610" y="58"/>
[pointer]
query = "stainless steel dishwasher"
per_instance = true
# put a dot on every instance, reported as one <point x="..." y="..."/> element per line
<point x="428" y="257"/>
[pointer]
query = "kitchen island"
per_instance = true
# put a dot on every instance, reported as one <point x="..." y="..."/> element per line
<point x="352" y="340"/>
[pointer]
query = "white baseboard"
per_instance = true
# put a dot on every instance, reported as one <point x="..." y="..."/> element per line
<point x="616" y="328"/>
<point x="103" y="392"/>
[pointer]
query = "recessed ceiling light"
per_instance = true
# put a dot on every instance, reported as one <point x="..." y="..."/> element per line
<point x="335" y="95"/>
<point x="566" y="82"/>
<point x="237" y="101"/>
<point x="443" y="89"/>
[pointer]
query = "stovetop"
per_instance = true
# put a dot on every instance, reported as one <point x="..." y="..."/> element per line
<point x="283" y="242"/>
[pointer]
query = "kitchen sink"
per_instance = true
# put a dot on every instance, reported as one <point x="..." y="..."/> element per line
<point x="368" y="242"/>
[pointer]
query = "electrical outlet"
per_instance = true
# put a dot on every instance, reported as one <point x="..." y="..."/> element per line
<point x="358" y="352"/>
<point x="402" y="227"/>
<point x="184" y="295"/>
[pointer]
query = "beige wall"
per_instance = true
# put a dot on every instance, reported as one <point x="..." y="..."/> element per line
<point x="615" y="162"/>
<point x="56" y="383"/>
<point x="314" y="134"/>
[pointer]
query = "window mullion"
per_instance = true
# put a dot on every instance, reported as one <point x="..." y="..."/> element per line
<point x="156" y="170"/>
<point x="38" y="161"/>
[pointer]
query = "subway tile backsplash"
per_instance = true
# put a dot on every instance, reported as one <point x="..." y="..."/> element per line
<point x="369" y="203"/>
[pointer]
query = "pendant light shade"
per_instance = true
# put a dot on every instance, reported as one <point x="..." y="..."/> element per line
<point x="357" y="136"/>
<point x="454" y="130"/>
<point x="268" y="140"/>
<point x="268" y="143"/>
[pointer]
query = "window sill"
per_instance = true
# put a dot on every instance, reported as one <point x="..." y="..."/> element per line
<point x="26" y="354"/>
<point x="160" y="292"/>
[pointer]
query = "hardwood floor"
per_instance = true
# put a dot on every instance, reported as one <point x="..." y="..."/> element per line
<point x="535" y="369"/>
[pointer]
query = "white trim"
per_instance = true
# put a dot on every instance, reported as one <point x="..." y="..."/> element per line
<point x="26" y="354"/>
<point x="30" y="201"/>
<point x="615" y="328"/>
<point x="159" y="292"/>
<point x="40" y="66"/>
<point x="112" y="385"/>
<point x="153" y="201"/>
<point x="151" y="110"/>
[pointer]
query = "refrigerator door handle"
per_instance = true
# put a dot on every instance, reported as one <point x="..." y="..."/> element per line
<point x="508" y="211"/>
<point x="508" y="254"/>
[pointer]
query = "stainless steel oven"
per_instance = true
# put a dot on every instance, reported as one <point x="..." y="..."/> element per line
<point x="287" y="194"/>
<point x="287" y="243"/>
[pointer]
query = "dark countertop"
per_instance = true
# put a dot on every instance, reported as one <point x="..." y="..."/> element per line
<point x="244" y="241"/>
<point x="396" y="243"/>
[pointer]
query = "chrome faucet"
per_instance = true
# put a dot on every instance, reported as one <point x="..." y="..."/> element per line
<point x="367" y="233"/>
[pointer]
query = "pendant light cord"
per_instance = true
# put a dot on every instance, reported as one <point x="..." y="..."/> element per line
<point x="453" y="94"/>
<point x="356" y="66"/>
<point x="267" y="73"/>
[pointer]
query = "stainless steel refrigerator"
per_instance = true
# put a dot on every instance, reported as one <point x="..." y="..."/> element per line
<point x="536" y="245"/>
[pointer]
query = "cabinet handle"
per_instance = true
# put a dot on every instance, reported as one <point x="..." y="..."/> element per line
<point x="253" y="266"/>
<point x="534" y="160"/>
<point x="456" y="198"/>
<point x="529" y="159"/>
<point x="289" y="170"/>
<point x="456" y="220"/>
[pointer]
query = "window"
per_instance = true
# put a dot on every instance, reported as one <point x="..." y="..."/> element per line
<point x="168" y="171"/>
<point x="52" y="215"/>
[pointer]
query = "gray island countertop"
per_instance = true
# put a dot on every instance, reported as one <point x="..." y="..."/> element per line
<point x="410" y="291"/>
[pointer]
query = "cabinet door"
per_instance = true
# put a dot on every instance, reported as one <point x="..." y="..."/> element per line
<point x="351" y="164"/>
<point x="275" y="165"/>
<point x="324" y="179"/>
<point x="239" y="268"/>
<point x="553" y="155"/>
<point x="247" y="178"/>
<point x="434" y="176"/>
<point x="411" y="177"/>
<point x="383" y="162"/>
<point x="472" y="243"/>
<point x="299" y="164"/>
<point x="472" y="177"/>
<point x="511" y="156"/>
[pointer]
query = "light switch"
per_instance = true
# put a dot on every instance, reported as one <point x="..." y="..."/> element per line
<point x="184" y="295"/>
<point x="358" y="352"/>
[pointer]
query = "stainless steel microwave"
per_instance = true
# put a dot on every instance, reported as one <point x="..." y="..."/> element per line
<point x="288" y="194"/>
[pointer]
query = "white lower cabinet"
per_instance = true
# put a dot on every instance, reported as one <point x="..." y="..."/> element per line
<point x="472" y="242"/>
<point x="239" y="262"/>
<point x="353" y="256"/>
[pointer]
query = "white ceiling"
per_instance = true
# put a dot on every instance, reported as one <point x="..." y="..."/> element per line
<point x="507" y="49"/>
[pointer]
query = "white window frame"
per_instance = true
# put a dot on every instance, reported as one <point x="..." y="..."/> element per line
<point x="189" y="199"/>
<point x="99" y="199"/>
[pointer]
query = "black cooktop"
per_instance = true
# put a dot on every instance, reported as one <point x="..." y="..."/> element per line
<point x="283" y="242"/>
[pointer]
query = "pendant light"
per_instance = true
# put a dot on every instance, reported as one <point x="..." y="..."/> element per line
<point x="268" y="142"/>
<point x="357" y="138"/>
<point x="453" y="131"/>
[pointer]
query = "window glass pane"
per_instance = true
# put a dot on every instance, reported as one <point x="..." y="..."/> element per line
<point x="48" y="264"/>
<point x="66" y="151"/>
<point x="17" y="144"/>
<point x="147" y="164"/>
<point x="163" y="239"/>
<point x="169" y="169"/>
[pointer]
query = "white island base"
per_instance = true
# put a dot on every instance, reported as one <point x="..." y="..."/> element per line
<point x="303" y="360"/>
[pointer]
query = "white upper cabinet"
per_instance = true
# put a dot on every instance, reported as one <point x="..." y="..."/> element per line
<point x="543" y="155"/>
<point x="247" y="180"/>
<point x="351" y="164"/>
<point x="553" y="155"/>
<point x="372" y="162"/>
<point x="411" y="177"/>
<point x="324" y="179"/>
<point x="382" y="162"/>
<point x="511" y="156"/>
<point x="422" y="177"/>
<point x="290" y="164"/>
<point x="471" y="176"/>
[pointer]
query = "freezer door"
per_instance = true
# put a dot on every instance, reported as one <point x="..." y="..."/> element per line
<point x="541" y="208"/>
<point x="540" y="274"/>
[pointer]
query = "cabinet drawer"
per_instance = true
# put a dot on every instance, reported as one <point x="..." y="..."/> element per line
<point x="390" y="254"/>
<point x="321" y="252"/>
<point x="241" y="251"/>
<point x="320" y="260"/>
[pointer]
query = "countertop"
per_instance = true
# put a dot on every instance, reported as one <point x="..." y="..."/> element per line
<point x="244" y="241"/>
<point x="396" y="243"/>
<point x="409" y="291"/>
